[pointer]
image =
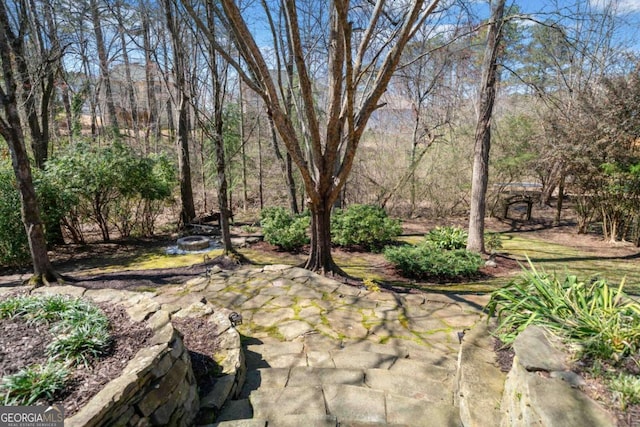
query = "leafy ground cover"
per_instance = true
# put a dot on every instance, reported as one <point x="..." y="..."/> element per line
<point x="30" y="361"/>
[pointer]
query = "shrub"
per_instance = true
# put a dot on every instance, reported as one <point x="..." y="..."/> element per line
<point x="364" y="225"/>
<point x="447" y="237"/>
<point x="284" y="230"/>
<point x="114" y="187"/>
<point x="493" y="242"/>
<point x="426" y="261"/>
<point x="54" y="202"/>
<point x="604" y="321"/>
<point x="14" y="248"/>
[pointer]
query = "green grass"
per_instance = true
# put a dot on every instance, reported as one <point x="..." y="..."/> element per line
<point x="556" y="258"/>
<point x="599" y="317"/>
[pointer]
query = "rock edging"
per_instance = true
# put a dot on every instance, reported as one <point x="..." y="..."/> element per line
<point x="540" y="389"/>
<point x="158" y="387"/>
<point x="480" y="380"/>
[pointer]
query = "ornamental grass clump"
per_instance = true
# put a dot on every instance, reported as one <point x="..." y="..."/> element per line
<point x="601" y="319"/>
<point x="32" y="383"/>
<point x="81" y="332"/>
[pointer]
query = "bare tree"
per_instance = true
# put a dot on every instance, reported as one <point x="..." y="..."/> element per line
<point x="11" y="45"/>
<point x="103" y="58"/>
<point x="188" y="211"/>
<point x="480" y="177"/>
<point x="358" y="66"/>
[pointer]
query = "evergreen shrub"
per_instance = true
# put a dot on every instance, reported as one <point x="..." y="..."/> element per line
<point x="363" y="225"/>
<point x="283" y="229"/>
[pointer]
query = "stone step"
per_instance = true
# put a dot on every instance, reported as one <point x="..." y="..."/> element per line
<point x="239" y="423"/>
<point x="235" y="410"/>
<point x="411" y="412"/>
<point x="264" y="378"/>
<point x="305" y="420"/>
<point x="418" y="386"/>
<point x="269" y="403"/>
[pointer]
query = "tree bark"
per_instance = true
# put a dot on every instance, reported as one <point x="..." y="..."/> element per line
<point x="480" y="175"/>
<point x="188" y="211"/>
<point x="130" y="91"/>
<point x="325" y="148"/>
<point x="153" y="120"/>
<point x="11" y="131"/>
<point x="218" y="95"/>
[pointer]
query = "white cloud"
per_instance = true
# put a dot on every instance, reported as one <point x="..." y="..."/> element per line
<point x="622" y="6"/>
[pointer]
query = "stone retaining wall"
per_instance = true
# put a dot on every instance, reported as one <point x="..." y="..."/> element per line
<point x="157" y="387"/>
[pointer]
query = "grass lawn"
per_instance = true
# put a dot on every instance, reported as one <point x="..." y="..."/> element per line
<point x="559" y="259"/>
<point x="551" y="257"/>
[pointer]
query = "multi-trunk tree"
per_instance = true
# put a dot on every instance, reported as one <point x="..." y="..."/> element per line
<point x="358" y="47"/>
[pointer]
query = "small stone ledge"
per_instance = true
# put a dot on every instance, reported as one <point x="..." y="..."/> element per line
<point x="540" y="390"/>
<point x="480" y="380"/>
<point x="157" y="387"/>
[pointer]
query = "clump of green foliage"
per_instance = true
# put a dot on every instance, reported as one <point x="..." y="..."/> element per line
<point x="363" y="225"/>
<point x="81" y="333"/>
<point x="448" y="238"/>
<point x="426" y="261"/>
<point x="493" y="242"/>
<point x="441" y="256"/>
<point x="32" y="383"/>
<point x="54" y="203"/>
<point x="113" y="187"/>
<point x="283" y="229"/>
<point x="13" y="242"/>
<point x="626" y="389"/>
<point x="603" y="320"/>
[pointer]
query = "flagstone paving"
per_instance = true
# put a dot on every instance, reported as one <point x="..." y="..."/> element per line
<point x="321" y="353"/>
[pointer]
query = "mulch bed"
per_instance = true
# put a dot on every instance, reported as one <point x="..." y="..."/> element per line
<point x="23" y="344"/>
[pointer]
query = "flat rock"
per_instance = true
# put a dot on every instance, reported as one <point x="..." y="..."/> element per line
<point x="539" y="350"/>
<point x="351" y="403"/>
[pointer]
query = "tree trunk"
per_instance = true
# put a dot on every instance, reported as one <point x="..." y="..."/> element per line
<point x="130" y="91"/>
<point x="104" y="67"/>
<point x="153" y="119"/>
<point x="320" y="258"/>
<point x="223" y="203"/>
<point x="11" y="131"/>
<point x="480" y="175"/>
<point x="188" y="211"/>
<point x="560" y="200"/>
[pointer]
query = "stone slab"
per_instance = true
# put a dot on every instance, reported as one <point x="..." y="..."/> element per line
<point x="264" y="378"/>
<point x="416" y="412"/>
<point x="236" y="410"/>
<point x="539" y="350"/>
<point x="290" y="400"/>
<point x="409" y="386"/>
<point x="351" y="403"/>
<point x="293" y="329"/>
<point x="303" y="420"/>
<point x="307" y="376"/>
<point x="361" y="359"/>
